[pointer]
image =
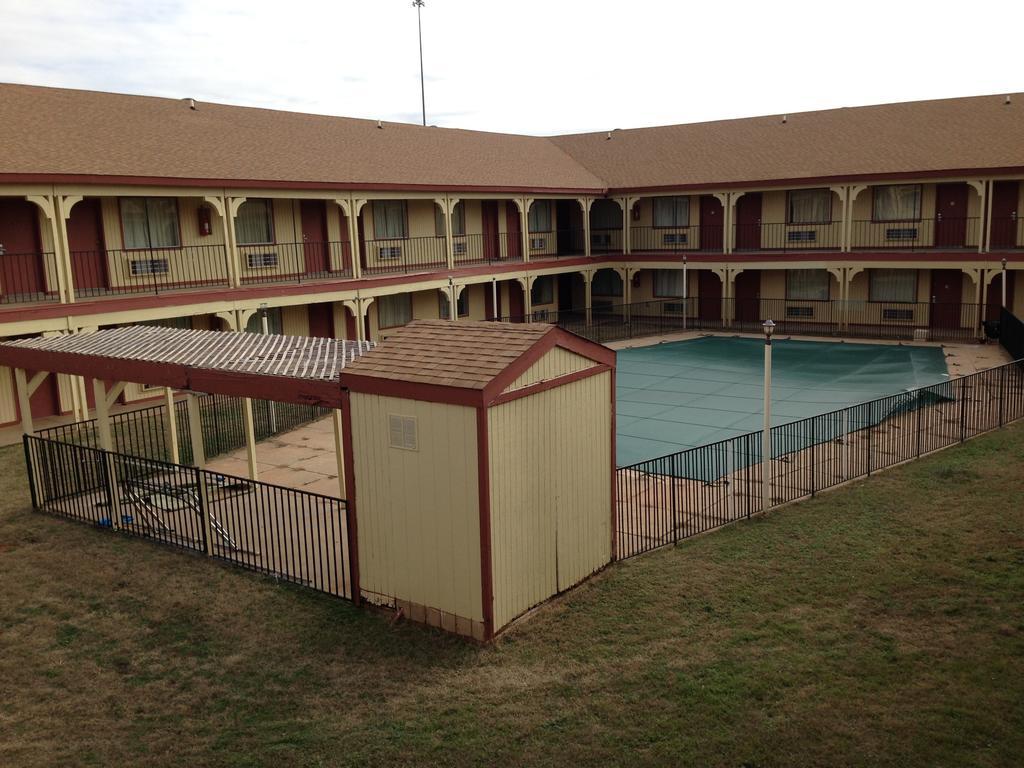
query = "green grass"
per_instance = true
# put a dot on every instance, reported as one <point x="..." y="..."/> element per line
<point x="878" y="625"/>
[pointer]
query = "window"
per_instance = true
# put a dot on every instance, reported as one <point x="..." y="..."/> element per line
<point x="896" y="285"/>
<point x="668" y="283"/>
<point x="807" y="284"/>
<point x="671" y="211"/>
<point x="458" y="220"/>
<point x="539" y="219"/>
<point x="140" y="267"/>
<point x="393" y="311"/>
<point x="402" y="432"/>
<point x="150" y="222"/>
<point x="896" y="202"/>
<point x="809" y="206"/>
<point x="462" y="304"/>
<point x="254" y="223"/>
<point x="389" y="218"/>
<point x="275" y="323"/>
<point x="543" y="291"/>
<point x="606" y="283"/>
<point x="605" y="214"/>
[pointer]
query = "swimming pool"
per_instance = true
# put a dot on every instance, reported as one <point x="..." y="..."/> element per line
<point x="679" y="395"/>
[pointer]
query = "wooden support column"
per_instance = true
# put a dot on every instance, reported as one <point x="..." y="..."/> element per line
<point x="588" y="293"/>
<point x="250" y="438"/>
<point x="172" y="426"/>
<point x="339" y="450"/>
<point x="24" y="401"/>
<point x="195" y="429"/>
<point x="104" y="399"/>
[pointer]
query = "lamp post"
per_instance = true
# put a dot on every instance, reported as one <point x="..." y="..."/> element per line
<point x="418" y="5"/>
<point x="766" y="433"/>
<point x="1002" y="283"/>
<point x="265" y="322"/>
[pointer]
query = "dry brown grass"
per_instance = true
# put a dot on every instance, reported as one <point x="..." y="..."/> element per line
<point x="879" y="625"/>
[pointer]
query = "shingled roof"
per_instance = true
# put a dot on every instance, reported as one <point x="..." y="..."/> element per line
<point x="51" y="134"/>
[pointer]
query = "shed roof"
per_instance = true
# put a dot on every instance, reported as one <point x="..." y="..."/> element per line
<point x="426" y="356"/>
<point x="285" y="368"/>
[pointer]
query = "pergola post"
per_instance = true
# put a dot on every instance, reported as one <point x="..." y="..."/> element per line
<point x="24" y="403"/>
<point x="250" y="437"/>
<point x="339" y="450"/>
<point x="195" y="430"/>
<point x="104" y="399"/>
<point x="172" y="426"/>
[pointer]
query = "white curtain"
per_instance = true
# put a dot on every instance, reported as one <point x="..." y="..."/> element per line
<point x="394" y="310"/>
<point x="897" y="202"/>
<point x="668" y="283"/>
<point x="671" y="211"/>
<point x="895" y="285"/>
<point x="807" y="284"/>
<point x="253" y="224"/>
<point x="810" y="206"/>
<point x="389" y="219"/>
<point x="150" y="222"/>
<point x="539" y="218"/>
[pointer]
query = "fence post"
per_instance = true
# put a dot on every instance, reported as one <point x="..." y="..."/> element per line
<point x="1002" y="393"/>
<point x="204" y="511"/>
<point x="30" y="466"/>
<point x="199" y="460"/>
<point x="871" y="428"/>
<point x="918" y="407"/>
<point x="813" y="446"/>
<point x="672" y="498"/>
<point x="963" y="410"/>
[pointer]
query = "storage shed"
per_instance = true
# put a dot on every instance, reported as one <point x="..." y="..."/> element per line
<point x="480" y="467"/>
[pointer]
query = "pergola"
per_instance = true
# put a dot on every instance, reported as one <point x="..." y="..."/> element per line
<point x="286" y="369"/>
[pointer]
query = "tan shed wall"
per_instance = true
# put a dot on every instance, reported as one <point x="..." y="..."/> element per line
<point x="557" y="362"/>
<point x="418" y="511"/>
<point x="550" y="460"/>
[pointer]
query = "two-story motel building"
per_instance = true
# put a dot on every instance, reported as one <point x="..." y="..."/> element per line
<point x="125" y="209"/>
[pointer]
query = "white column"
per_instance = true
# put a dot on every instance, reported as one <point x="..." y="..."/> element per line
<point x="250" y="437"/>
<point x="24" y="401"/>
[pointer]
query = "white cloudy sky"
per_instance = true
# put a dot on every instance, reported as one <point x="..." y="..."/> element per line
<point x="527" y="66"/>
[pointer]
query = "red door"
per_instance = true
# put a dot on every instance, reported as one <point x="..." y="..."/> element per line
<point x="748" y="222"/>
<point x="514" y="245"/>
<point x="1005" y="197"/>
<point x="489" y="216"/>
<point x="516" y="304"/>
<point x="994" y="297"/>
<point x="21" y="268"/>
<point x="950" y="215"/>
<point x="711" y="223"/>
<point x="748" y="296"/>
<point x="314" y="236"/>
<point x="350" y="325"/>
<point x="321" y="320"/>
<point x="709" y="296"/>
<point x="947" y="293"/>
<point x="88" y="255"/>
<point x="346" y="246"/>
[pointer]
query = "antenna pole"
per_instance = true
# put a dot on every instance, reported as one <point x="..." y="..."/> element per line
<point x="418" y="5"/>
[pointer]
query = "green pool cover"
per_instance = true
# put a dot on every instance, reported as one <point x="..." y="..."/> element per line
<point x="683" y="394"/>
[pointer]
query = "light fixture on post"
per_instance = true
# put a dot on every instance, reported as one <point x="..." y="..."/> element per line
<point x="766" y="433"/>
<point x="418" y="5"/>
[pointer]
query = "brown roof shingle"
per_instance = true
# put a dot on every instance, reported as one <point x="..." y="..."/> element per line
<point x="467" y="354"/>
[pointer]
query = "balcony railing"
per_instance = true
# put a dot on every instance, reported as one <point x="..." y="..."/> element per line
<point x="938" y="233"/>
<point x="687" y="239"/>
<point x="295" y="262"/>
<point x="1006" y="234"/>
<point x="154" y="270"/>
<point x="606" y="240"/>
<point x="28" y="278"/>
<point x="403" y="255"/>
<point x="556" y="244"/>
<point x="769" y="236"/>
<point x="487" y="249"/>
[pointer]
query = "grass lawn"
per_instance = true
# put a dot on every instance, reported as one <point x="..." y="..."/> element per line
<point x="877" y="625"/>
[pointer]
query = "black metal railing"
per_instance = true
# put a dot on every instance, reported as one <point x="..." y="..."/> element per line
<point x="144" y="432"/>
<point x="606" y="240"/>
<point x="1006" y="234"/>
<point x="295" y="262"/>
<point x="688" y="239"/>
<point x="28" y="278"/>
<point x="555" y="244"/>
<point x="286" y="533"/>
<point x="924" y="321"/>
<point x="667" y="499"/>
<point x="937" y="233"/>
<point x="492" y="248"/>
<point x="116" y="271"/>
<point x="783" y="236"/>
<point x="404" y="254"/>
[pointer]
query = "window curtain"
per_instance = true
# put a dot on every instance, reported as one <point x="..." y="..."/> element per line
<point x="253" y="224"/>
<point x="897" y="202"/>
<point x="810" y="206"/>
<point x="458" y="220"/>
<point x="389" y="219"/>
<point x="671" y="211"/>
<point x="668" y="283"/>
<point x="394" y="310"/>
<point x="539" y="218"/>
<point x="895" y="285"/>
<point x="150" y="222"/>
<point x="807" y="284"/>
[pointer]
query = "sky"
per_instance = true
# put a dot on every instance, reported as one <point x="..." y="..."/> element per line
<point x="522" y="66"/>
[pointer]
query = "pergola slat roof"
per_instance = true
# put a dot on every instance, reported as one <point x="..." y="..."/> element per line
<point x="284" y="368"/>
